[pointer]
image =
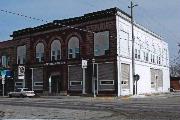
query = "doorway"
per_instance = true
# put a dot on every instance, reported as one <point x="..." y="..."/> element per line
<point x="55" y="84"/>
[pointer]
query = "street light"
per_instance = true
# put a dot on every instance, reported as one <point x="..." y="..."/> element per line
<point x="93" y="78"/>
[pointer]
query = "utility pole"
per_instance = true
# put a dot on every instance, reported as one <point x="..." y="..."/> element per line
<point x="133" y="63"/>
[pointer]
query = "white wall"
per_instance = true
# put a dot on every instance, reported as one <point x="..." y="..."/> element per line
<point x="149" y="43"/>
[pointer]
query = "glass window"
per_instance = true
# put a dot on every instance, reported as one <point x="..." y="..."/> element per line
<point x="139" y="54"/>
<point x="135" y="53"/>
<point x="147" y="57"/>
<point x="21" y="54"/>
<point x="73" y="48"/>
<point x="101" y="43"/>
<point x="153" y="59"/>
<point x="144" y="53"/>
<point x="159" y="60"/>
<point x="40" y="52"/>
<point x="55" y="50"/>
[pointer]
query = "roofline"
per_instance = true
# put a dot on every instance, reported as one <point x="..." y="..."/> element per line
<point x="86" y="17"/>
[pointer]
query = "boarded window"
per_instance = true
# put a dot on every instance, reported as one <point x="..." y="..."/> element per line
<point x="38" y="78"/>
<point x="75" y="77"/>
<point x="106" y="76"/>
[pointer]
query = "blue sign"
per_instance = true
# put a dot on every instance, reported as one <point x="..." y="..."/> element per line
<point x="7" y="73"/>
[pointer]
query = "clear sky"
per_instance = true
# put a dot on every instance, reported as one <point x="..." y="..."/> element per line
<point x="160" y="16"/>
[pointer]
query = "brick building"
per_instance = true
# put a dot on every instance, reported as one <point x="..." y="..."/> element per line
<point x="52" y="55"/>
<point x="175" y="83"/>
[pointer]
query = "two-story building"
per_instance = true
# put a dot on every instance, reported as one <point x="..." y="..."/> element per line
<point x="52" y="55"/>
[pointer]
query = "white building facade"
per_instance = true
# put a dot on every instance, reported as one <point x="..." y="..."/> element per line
<point x="151" y="59"/>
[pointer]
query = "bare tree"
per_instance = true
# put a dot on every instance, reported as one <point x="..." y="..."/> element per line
<point x="175" y="66"/>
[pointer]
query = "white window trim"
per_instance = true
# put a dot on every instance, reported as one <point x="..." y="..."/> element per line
<point x="75" y="81"/>
<point x="18" y="82"/>
<point x="38" y="82"/>
<point x="106" y="80"/>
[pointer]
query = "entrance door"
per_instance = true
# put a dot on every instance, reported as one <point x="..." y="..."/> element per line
<point x="125" y="79"/>
<point x="156" y="80"/>
<point x="55" y="84"/>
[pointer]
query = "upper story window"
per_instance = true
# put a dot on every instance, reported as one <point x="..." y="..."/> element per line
<point x="73" y="48"/>
<point x="159" y="61"/>
<point x="40" y="52"/>
<point x="21" y="54"/>
<point x="55" y="50"/>
<point x="101" y="43"/>
<point x="5" y="61"/>
<point x="139" y="54"/>
<point x="146" y="56"/>
<point x="136" y="54"/>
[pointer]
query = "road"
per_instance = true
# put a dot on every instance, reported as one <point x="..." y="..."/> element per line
<point x="161" y="107"/>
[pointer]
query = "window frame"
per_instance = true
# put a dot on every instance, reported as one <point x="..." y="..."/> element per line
<point x="40" y="53"/>
<point x="38" y="83"/>
<point x="18" y="83"/>
<point x="94" y="50"/>
<point x="56" y="52"/>
<point x="73" y="52"/>
<point x="76" y="84"/>
<point x="106" y="81"/>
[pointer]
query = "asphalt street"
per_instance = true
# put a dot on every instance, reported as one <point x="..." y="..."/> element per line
<point x="159" y="107"/>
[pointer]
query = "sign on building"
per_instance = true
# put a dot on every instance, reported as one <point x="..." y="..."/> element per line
<point x="21" y="72"/>
<point x="84" y="63"/>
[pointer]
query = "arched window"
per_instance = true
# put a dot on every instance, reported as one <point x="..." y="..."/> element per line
<point x="55" y="50"/>
<point x="40" y="52"/>
<point x="73" y="48"/>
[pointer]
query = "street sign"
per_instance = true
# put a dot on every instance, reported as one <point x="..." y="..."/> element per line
<point x="21" y="72"/>
<point x="3" y="79"/>
<point x="84" y="63"/>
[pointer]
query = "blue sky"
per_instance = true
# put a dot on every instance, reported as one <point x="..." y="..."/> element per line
<point x="160" y="16"/>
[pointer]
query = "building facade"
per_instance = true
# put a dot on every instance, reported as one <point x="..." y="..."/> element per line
<point x="52" y="55"/>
